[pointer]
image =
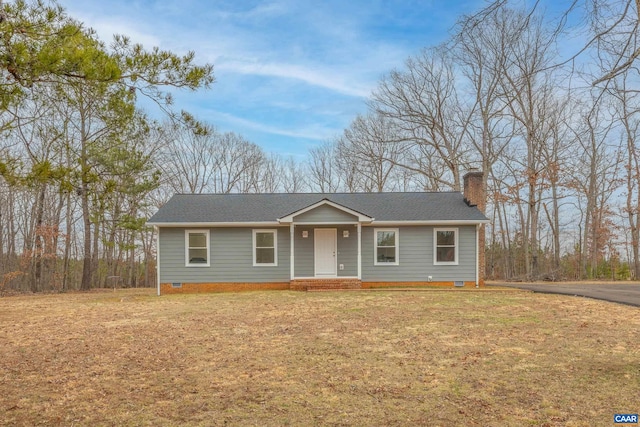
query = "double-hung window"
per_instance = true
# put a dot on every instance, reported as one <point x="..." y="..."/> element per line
<point x="386" y="246"/>
<point x="445" y="246"/>
<point x="196" y="248"/>
<point x="265" y="248"/>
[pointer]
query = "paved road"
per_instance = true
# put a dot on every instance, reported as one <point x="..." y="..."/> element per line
<point x="620" y="293"/>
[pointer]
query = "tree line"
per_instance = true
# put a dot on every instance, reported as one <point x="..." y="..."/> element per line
<point x="76" y="158"/>
<point x="555" y="135"/>
<point x="82" y="167"/>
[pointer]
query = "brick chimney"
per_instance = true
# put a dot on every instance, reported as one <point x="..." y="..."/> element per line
<point x="474" y="190"/>
<point x="474" y="195"/>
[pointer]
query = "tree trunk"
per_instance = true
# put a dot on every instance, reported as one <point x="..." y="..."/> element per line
<point x="67" y="245"/>
<point x="97" y="281"/>
<point x="87" y="272"/>
<point x="38" y="247"/>
<point x="2" y="258"/>
<point x="87" y="265"/>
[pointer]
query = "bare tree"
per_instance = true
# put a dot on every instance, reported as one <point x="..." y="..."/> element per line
<point x="370" y="149"/>
<point x="422" y="101"/>
<point x="611" y="29"/>
<point x="271" y="174"/>
<point x="614" y="26"/>
<point x="189" y="160"/>
<point x="323" y="171"/>
<point x="556" y="153"/>
<point x="239" y="164"/>
<point x="626" y="103"/>
<point x="528" y="87"/>
<point x="594" y="176"/>
<point x="295" y="179"/>
<point x="480" y="49"/>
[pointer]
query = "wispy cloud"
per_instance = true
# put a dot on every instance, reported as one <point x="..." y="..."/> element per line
<point x="328" y="78"/>
<point x="289" y="72"/>
<point x="312" y="133"/>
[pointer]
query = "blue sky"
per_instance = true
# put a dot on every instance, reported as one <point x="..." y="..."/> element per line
<point x="290" y="74"/>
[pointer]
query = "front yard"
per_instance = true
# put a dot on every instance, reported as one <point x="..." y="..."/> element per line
<point x="485" y="358"/>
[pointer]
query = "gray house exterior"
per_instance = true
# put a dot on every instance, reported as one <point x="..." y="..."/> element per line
<point x="219" y="242"/>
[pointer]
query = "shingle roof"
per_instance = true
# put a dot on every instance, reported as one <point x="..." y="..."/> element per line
<point x="221" y="208"/>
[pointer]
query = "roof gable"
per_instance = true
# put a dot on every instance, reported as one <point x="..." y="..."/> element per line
<point x="298" y="215"/>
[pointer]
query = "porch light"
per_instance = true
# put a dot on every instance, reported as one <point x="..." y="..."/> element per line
<point x="305" y="234"/>
<point x="345" y="233"/>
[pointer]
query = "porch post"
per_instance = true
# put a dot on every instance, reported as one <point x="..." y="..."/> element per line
<point x="359" y="251"/>
<point x="292" y="258"/>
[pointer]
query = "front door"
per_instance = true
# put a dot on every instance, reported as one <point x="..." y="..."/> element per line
<point x="325" y="249"/>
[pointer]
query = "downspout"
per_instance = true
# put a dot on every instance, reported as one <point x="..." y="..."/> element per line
<point x="359" y="251"/>
<point x="157" y="230"/>
<point x="477" y="255"/>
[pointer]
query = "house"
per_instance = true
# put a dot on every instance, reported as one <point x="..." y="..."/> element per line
<point x="218" y="242"/>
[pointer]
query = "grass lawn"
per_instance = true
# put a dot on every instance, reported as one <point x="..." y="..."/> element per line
<point x="337" y="358"/>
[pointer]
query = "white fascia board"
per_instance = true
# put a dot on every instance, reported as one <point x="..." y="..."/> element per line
<point x="281" y="223"/>
<point x="430" y="222"/>
<point x="326" y="223"/>
<point x="361" y="217"/>
<point x="216" y="224"/>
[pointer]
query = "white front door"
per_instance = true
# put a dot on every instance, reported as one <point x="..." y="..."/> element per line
<point x="325" y="248"/>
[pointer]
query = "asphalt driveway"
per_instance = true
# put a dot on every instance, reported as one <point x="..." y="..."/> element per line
<point x="619" y="293"/>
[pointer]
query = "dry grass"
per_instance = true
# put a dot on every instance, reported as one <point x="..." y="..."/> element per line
<point x="340" y="358"/>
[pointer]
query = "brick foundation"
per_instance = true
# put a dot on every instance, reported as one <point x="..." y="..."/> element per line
<point x="324" y="284"/>
<point x="192" y="288"/>
<point x="298" y="285"/>
<point x="370" y="285"/>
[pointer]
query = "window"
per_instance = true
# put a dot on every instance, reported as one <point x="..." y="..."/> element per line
<point x="446" y="246"/>
<point x="386" y="246"/>
<point x="265" y="244"/>
<point x="197" y="248"/>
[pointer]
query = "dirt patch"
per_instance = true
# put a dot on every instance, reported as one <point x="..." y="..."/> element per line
<point x="331" y="358"/>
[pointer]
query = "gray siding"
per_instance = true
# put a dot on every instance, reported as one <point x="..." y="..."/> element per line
<point x="325" y="213"/>
<point x="231" y="258"/>
<point x="416" y="257"/>
<point x="303" y="248"/>
<point x="347" y="251"/>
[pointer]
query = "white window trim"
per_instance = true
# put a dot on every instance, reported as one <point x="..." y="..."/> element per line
<point x="275" y="248"/>
<point x="186" y="248"/>
<point x="456" y="233"/>
<point x="375" y="246"/>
